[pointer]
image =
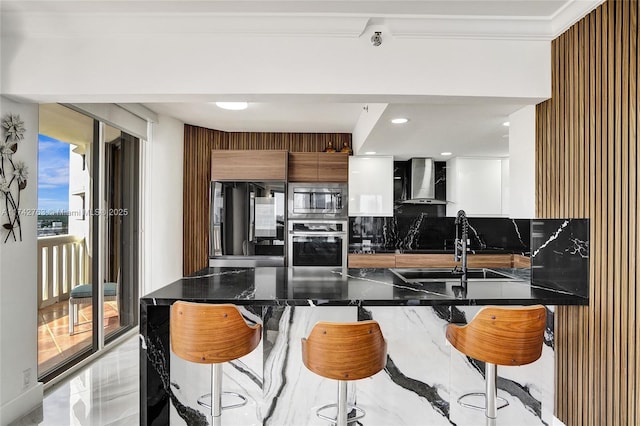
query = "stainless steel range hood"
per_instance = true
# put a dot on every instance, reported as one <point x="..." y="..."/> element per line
<point x="422" y="182"/>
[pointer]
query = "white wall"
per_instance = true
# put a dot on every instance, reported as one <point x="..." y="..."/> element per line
<point x="369" y="116"/>
<point x="506" y="186"/>
<point x="522" y="153"/>
<point x="18" y="294"/>
<point x="197" y="65"/>
<point x="163" y="193"/>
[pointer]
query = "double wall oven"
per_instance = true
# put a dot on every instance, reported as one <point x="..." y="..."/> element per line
<point x="317" y="225"/>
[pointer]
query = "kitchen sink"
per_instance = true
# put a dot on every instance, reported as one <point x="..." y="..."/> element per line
<point x="410" y="275"/>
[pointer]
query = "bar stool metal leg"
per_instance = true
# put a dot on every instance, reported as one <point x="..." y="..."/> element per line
<point x="491" y="379"/>
<point x="342" y="407"/>
<point x="213" y="401"/>
<point x="491" y="397"/>
<point x="342" y="403"/>
<point x="216" y="389"/>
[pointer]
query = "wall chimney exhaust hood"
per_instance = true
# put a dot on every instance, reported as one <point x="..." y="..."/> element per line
<point x="422" y="182"/>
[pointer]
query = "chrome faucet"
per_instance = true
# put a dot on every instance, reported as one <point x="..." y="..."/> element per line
<point x="460" y="249"/>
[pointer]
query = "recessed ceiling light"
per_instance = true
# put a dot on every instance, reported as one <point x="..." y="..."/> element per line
<point x="445" y="154"/>
<point x="506" y="124"/>
<point x="370" y="153"/>
<point x="234" y="106"/>
<point x="399" y="120"/>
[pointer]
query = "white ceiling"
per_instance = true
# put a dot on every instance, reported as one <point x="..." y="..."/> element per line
<point x="461" y="126"/>
<point x="471" y="129"/>
<point x="466" y="127"/>
<point x="275" y="116"/>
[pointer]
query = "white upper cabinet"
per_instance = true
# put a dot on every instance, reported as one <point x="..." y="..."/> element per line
<point x="475" y="186"/>
<point x="370" y="185"/>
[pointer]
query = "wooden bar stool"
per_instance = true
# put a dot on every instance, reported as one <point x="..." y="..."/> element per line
<point x="344" y="352"/>
<point x="499" y="336"/>
<point x="212" y="334"/>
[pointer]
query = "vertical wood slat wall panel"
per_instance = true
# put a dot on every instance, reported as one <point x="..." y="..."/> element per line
<point x="198" y="144"/>
<point x="587" y="158"/>
<point x="633" y="358"/>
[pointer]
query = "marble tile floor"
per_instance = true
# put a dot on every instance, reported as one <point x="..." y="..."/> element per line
<point x="104" y="393"/>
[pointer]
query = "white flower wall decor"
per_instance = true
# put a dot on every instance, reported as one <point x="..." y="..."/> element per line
<point x="13" y="177"/>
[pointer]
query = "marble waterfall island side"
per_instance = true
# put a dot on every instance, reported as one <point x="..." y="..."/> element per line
<point x="424" y="375"/>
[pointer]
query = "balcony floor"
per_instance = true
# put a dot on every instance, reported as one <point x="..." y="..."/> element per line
<point x="54" y="343"/>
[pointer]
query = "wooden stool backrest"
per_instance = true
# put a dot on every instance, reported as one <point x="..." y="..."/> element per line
<point x="345" y="351"/>
<point x="502" y="336"/>
<point x="211" y="334"/>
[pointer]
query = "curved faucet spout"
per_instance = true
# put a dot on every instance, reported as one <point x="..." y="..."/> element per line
<point x="460" y="250"/>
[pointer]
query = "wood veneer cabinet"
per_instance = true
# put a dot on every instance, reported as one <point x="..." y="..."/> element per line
<point x="383" y="260"/>
<point x="391" y="260"/>
<point x="318" y="167"/>
<point x="249" y="165"/>
<point x="520" y="261"/>
<point x="425" y="261"/>
<point x="446" y="261"/>
<point x="333" y="167"/>
<point x="303" y="167"/>
<point x="490" y="260"/>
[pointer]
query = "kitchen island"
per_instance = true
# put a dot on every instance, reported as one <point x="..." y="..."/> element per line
<point x="424" y="375"/>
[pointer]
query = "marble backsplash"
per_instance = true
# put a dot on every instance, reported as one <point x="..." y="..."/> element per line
<point x="560" y="254"/>
<point x="414" y="229"/>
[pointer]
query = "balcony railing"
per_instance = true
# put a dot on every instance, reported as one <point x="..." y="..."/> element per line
<point x="63" y="263"/>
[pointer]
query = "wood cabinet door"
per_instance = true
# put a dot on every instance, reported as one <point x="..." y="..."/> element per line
<point x="333" y="167"/>
<point x="520" y="261"/>
<point x="446" y="261"/>
<point x="249" y="165"/>
<point x="489" y="260"/>
<point x="385" y="260"/>
<point x="425" y="261"/>
<point x="303" y="167"/>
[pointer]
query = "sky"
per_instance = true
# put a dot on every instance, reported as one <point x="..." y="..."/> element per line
<point x="53" y="175"/>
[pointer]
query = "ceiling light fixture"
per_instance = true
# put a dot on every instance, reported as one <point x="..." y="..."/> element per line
<point x="505" y="124"/>
<point x="445" y="154"/>
<point x="233" y="106"/>
<point x="370" y="153"/>
<point x="399" y="120"/>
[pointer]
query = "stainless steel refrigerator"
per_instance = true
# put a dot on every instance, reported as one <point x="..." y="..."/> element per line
<point x="247" y="224"/>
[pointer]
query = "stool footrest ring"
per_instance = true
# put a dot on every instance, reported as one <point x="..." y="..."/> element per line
<point x="478" y="407"/>
<point x="360" y="413"/>
<point x="233" y="400"/>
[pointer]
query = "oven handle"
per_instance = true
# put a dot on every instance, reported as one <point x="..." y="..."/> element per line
<point x="318" y="234"/>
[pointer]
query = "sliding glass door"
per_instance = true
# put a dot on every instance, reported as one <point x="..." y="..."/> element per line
<point x="121" y="152"/>
<point x="88" y="236"/>
<point x="65" y="234"/>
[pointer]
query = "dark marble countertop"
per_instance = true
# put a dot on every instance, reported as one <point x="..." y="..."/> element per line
<point x="363" y="287"/>
<point x="357" y="250"/>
